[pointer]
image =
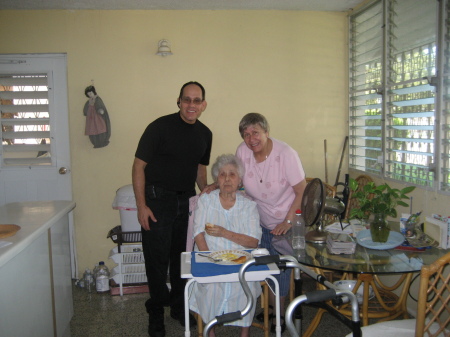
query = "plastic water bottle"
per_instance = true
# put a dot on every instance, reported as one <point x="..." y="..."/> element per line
<point x="95" y="271"/>
<point x="298" y="231"/>
<point x="102" y="278"/>
<point x="88" y="280"/>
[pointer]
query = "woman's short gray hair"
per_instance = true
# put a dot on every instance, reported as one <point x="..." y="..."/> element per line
<point x="226" y="159"/>
<point x="253" y="118"/>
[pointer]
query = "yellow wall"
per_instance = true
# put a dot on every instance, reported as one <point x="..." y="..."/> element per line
<point x="289" y="66"/>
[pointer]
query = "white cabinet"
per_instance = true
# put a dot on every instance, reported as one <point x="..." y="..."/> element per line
<point x="35" y="276"/>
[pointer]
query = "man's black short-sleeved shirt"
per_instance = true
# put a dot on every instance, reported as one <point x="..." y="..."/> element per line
<point x="172" y="150"/>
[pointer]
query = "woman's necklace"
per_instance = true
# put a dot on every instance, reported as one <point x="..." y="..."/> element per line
<point x="263" y="171"/>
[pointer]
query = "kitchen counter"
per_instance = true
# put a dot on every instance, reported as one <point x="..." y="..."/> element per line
<point x="35" y="275"/>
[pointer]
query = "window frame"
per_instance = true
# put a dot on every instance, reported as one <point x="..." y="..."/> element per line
<point x="359" y="123"/>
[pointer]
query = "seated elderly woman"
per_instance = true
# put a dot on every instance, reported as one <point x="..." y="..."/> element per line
<point x="236" y="226"/>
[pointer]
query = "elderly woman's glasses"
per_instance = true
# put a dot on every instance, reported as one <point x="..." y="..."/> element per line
<point x="187" y="100"/>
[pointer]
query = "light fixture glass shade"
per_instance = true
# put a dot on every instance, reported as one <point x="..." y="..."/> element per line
<point x="164" y="48"/>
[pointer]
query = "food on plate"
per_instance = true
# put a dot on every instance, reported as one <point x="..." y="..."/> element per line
<point x="231" y="257"/>
<point x="228" y="256"/>
<point x="240" y="259"/>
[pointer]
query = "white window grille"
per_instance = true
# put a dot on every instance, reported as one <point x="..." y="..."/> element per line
<point x="25" y="120"/>
<point x="399" y="122"/>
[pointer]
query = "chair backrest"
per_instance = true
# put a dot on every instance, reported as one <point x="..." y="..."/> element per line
<point x="433" y="307"/>
<point x="329" y="189"/>
<point x="190" y="240"/>
<point x="192" y="206"/>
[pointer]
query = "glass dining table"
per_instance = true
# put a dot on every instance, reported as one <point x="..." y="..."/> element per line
<point x="380" y="300"/>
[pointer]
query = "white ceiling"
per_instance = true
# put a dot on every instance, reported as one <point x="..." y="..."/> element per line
<point x="301" y="5"/>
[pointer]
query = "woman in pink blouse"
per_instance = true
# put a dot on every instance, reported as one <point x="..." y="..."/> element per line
<point x="275" y="179"/>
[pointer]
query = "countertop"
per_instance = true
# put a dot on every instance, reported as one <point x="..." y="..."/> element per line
<point x="34" y="218"/>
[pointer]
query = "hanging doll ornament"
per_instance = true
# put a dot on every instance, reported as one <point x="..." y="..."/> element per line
<point x="98" y="126"/>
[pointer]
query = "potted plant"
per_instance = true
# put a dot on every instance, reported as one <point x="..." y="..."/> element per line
<point x="381" y="201"/>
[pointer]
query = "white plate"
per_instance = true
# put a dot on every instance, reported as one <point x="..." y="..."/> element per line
<point x="260" y="252"/>
<point x="365" y="239"/>
<point x="219" y="255"/>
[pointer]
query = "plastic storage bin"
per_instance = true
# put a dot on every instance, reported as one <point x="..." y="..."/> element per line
<point x="117" y="236"/>
<point x="128" y="254"/>
<point x="131" y="267"/>
<point x="130" y="274"/>
<point x="125" y="202"/>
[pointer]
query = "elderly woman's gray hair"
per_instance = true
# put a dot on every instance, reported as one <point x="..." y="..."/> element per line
<point x="253" y="118"/>
<point x="226" y="159"/>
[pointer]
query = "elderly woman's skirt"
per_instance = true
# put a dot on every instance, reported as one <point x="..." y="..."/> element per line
<point x="214" y="299"/>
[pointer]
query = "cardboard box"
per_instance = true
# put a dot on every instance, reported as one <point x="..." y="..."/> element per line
<point x="438" y="230"/>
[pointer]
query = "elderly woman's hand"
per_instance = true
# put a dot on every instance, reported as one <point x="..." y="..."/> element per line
<point x="217" y="231"/>
<point x="281" y="228"/>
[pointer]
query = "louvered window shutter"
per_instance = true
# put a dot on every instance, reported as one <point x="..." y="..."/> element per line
<point x="398" y="121"/>
<point x="25" y="120"/>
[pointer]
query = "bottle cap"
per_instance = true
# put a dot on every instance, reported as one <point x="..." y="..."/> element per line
<point x="298" y="211"/>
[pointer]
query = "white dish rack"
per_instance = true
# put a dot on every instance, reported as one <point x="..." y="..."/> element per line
<point x="131" y="266"/>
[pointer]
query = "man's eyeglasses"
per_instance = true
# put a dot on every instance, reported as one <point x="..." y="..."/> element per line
<point x="187" y="100"/>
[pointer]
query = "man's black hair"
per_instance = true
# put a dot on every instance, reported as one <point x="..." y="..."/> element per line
<point x="189" y="83"/>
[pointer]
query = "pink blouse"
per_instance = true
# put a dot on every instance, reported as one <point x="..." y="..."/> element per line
<point x="270" y="182"/>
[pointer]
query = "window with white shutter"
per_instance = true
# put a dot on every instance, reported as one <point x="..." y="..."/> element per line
<point x="398" y="118"/>
<point x="444" y="99"/>
<point x="25" y="120"/>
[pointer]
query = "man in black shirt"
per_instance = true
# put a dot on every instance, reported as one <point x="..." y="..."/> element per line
<point x="171" y="157"/>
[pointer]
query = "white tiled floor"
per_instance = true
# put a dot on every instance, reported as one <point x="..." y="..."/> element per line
<point x="110" y="316"/>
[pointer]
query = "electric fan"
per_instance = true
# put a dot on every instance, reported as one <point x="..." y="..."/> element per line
<point x="314" y="206"/>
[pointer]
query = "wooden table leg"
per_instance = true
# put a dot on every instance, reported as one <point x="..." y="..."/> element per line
<point x="366" y="279"/>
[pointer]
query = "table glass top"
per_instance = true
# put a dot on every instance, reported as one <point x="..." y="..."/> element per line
<point x="364" y="260"/>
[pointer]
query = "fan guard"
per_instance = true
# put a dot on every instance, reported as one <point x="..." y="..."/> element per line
<point x="314" y="205"/>
<point x="313" y="201"/>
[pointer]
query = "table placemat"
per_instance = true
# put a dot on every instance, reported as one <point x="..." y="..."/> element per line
<point x="205" y="269"/>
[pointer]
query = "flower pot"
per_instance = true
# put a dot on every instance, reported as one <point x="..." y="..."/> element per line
<point x="379" y="228"/>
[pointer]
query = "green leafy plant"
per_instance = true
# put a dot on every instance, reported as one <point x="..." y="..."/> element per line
<point x="377" y="199"/>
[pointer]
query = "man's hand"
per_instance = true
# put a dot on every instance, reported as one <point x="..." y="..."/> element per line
<point x="144" y="213"/>
<point x="209" y="188"/>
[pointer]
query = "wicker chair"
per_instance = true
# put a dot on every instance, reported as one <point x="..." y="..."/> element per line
<point x="433" y="307"/>
<point x="330" y="190"/>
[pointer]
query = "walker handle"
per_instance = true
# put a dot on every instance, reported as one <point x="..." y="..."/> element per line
<point x="259" y="260"/>
<point x="320" y="295"/>
<point x="228" y="317"/>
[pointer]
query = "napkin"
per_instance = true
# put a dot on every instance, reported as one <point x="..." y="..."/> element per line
<point x="336" y="228"/>
<point x="203" y="269"/>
